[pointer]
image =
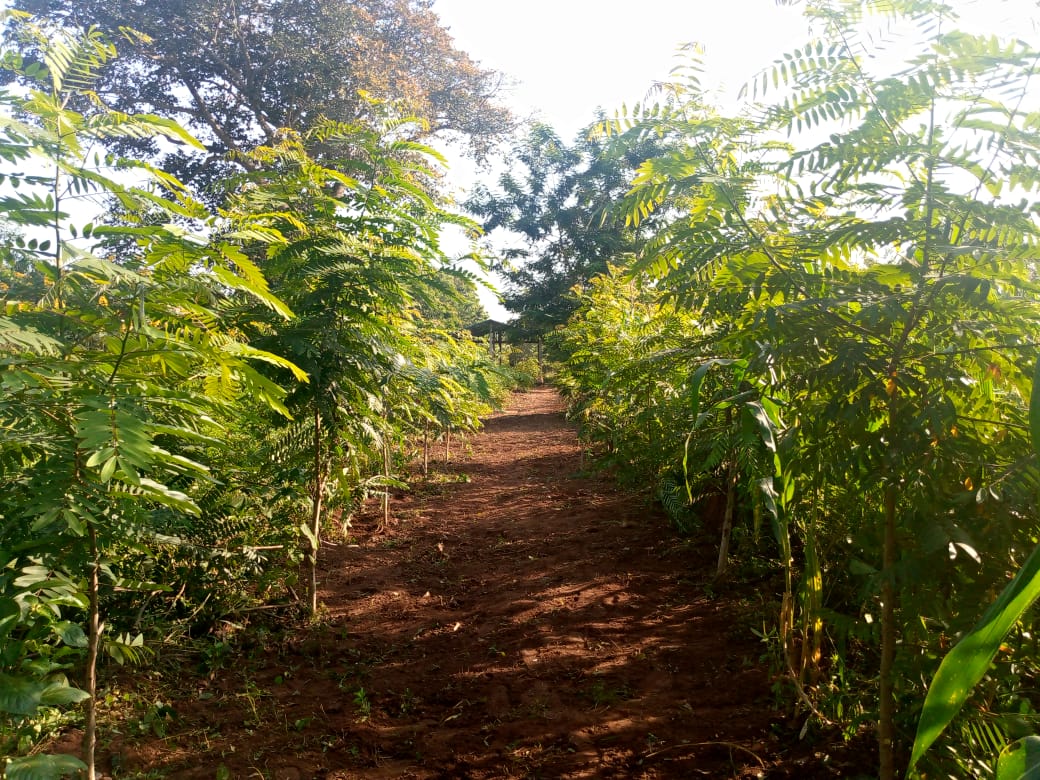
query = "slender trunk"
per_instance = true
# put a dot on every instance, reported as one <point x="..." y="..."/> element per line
<point x="812" y="625"/>
<point x="426" y="450"/>
<point x="93" y="643"/>
<point x="727" y="518"/>
<point x="886" y="710"/>
<point x="386" y="488"/>
<point x="649" y="414"/>
<point x="317" y="495"/>
<point x="447" y="444"/>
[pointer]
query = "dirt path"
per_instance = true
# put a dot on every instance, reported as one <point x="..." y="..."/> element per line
<point x="517" y="620"/>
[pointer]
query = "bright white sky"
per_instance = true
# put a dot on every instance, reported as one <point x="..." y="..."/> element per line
<point x="570" y="57"/>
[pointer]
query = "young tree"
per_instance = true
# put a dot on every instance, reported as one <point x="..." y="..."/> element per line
<point x="115" y="367"/>
<point x="875" y="273"/>
<point x="352" y="246"/>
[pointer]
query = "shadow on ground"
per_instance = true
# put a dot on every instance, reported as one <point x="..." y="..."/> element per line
<point x="516" y="620"/>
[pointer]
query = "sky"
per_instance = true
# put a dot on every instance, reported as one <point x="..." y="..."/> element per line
<point x="564" y="59"/>
<point x="571" y="57"/>
<point x="567" y="58"/>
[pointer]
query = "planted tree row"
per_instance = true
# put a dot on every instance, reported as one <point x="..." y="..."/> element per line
<point x="189" y="395"/>
<point x="825" y="345"/>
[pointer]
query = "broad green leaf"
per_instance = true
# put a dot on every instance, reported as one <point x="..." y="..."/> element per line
<point x="1020" y="760"/>
<point x="42" y="767"/>
<point x="34" y="577"/>
<point x="770" y="499"/>
<point x="108" y="469"/>
<point x="969" y="659"/>
<point x="58" y="694"/>
<point x="308" y="532"/>
<point x="244" y="350"/>
<point x="697" y="379"/>
<point x="99" y="456"/>
<point x="20" y="695"/>
<point x="16" y="338"/>
<point x="161" y="494"/>
<point x="765" y="424"/>
<point x="70" y="633"/>
<point x="10" y="613"/>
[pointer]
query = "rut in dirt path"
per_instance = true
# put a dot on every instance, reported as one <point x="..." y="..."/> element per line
<point x="522" y="620"/>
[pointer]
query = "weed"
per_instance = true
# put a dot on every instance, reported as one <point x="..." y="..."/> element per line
<point x="601" y="695"/>
<point x="155" y="720"/>
<point x="252" y="694"/>
<point x="536" y="710"/>
<point x="408" y="702"/>
<point x="363" y="704"/>
<point x="215" y="655"/>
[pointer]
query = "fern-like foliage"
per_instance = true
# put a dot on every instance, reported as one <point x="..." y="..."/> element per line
<point x="858" y="252"/>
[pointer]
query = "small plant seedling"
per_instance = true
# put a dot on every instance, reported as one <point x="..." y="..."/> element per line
<point x="601" y="695"/>
<point x="363" y="704"/>
<point x="408" y="702"/>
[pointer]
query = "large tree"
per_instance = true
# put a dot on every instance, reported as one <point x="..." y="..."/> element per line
<point x="555" y="203"/>
<point x="236" y="71"/>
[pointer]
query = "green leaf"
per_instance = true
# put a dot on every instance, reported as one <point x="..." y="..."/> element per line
<point x="20" y="695"/>
<point x="1020" y="760"/>
<point x="42" y="767"/>
<point x="765" y="424"/>
<point x="58" y="694"/>
<point x="107" y="470"/>
<point x="10" y="613"/>
<point x="18" y="339"/>
<point x="309" y="533"/>
<point x="33" y="576"/>
<point x="70" y="634"/>
<point x="968" y="661"/>
<point x="697" y="379"/>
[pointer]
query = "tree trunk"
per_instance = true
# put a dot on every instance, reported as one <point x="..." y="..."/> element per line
<point x="727" y="518"/>
<point x="93" y="644"/>
<point x="426" y="450"/>
<point x="649" y="415"/>
<point x="886" y="708"/>
<point x="812" y="624"/>
<point x="386" y="488"/>
<point x="318" y="490"/>
<point x="447" y="444"/>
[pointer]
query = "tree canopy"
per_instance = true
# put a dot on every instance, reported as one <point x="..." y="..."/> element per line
<point x="558" y="201"/>
<point x="235" y="73"/>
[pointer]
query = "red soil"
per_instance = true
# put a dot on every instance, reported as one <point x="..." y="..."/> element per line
<point x="517" y="619"/>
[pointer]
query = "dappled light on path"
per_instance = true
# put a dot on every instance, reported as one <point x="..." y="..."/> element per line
<point x="516" y="619"/>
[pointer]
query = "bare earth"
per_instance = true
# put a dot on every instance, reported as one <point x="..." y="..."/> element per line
<point x="517" y="620"/>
